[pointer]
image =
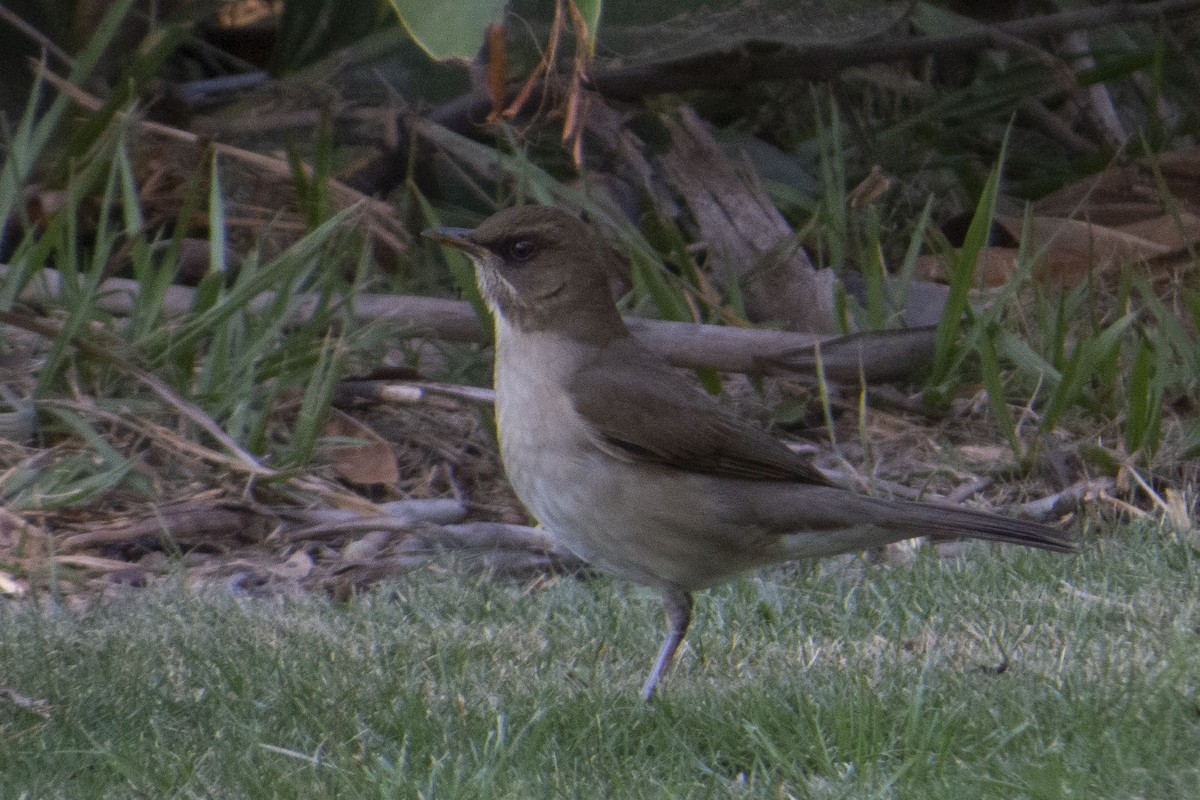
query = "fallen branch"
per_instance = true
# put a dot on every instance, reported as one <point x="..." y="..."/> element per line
<point x="879" y="357"/>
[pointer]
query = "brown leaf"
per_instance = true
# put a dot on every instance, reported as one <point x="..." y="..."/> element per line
<point x="1066" y="251"/>
<point x="1107" y="246"/>
<point x="366" y="464"/>
<point x="1175" y="232"/>
<point x="295" y="568"/>
<point x="985" y="454"/>
<point x="1130" y="192"/>
<point x="994" y="267"/>
<point x="43" y="204"/>
<point x="869" y="189"/>
<point x="366" y="547"/>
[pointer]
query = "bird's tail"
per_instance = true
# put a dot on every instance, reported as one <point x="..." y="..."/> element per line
<point x="824" y="520"/>
<point x="957" y="522"/>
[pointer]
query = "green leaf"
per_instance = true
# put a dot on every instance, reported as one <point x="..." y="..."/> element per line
<point x="649" y="279"/>
<point x="460" y="266"/>
<point x="1191" y="442"/>
<point x="310" y="31"/>
<point x="1086" y="361"/>
<point x="1144" y="406"/>
<point x="948" y="350"/>
<point x="899" y="288"/>
<point x="874" y="273"/>
<point x="314" y="408"/>
<point x="1026" y="359"/>
<point x="452" y="28"/>
<point x="590" y="10"/>
<point x="216" y="224"/>
<point x="992" y="381"/>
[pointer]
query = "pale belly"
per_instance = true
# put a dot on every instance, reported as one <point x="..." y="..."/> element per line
<point x="653" y="525"/>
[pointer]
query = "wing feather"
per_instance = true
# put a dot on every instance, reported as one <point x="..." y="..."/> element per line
<point x="641" y="409"/>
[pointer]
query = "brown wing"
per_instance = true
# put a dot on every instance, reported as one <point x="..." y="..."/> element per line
<point x="653" y="413"/>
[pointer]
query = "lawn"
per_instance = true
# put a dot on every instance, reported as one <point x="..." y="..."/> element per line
<point x="998" y="673"/>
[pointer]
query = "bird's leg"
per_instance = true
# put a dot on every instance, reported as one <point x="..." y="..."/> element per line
<point x="678" y="605"/>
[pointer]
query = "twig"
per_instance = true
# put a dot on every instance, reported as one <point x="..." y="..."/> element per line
<point x="966" y="490"/>
<point x="1137" y="477"/>
<point x="443" y="395"/>
<point x="433" y="518"/>
<point x="33" y="33"/>
<point x="1121" y="505"/>
<point x="93" y="563"/>
<point x="851" y="477"/>
<point x="1060" y="502"/>
<point x="163" y="436"/>
<point x="1054" y="125"/>
<point x="1100" y="107"/>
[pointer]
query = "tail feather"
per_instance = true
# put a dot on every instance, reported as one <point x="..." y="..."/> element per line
<point x="955" y="522"/>
<point x="868" y="521"/>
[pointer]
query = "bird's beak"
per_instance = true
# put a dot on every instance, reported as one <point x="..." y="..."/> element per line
<point x="459" y="238"/>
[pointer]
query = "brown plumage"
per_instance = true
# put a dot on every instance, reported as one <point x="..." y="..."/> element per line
<point x="632" y="466"/>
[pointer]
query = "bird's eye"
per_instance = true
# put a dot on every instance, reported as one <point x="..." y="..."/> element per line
<point x="521" y="250"/>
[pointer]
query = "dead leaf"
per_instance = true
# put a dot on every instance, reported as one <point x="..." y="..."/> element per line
<point x="366" y="547"/>
<point x="869" y="189"/>
<point x="1066" y="251"/>
<point x="1175" y="232"/>
<point x="295" y="568"/>
<point x="367" y="464"/>
<point x="242" y="13"/>
<point x="1104" y="245"/>
<point x="994" y="267"/>
<point x="985" y="454"/>
<point x="42" y="204"/>
<point x="497" y="67"/>
<point x="1120" y="195"/>
<point x="1177" y="510"/>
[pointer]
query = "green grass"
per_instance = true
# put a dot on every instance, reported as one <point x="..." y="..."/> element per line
<point x="832" y="681"/>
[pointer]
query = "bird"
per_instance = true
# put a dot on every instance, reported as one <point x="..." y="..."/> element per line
<point x="630" y="465"/>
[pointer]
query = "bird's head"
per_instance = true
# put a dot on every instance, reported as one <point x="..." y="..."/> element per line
<point x="540" y="268"/>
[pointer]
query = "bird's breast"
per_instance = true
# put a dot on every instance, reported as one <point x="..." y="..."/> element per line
<point x="544" y="442"/>
<point x="540" y="431"/>
<point x="641" y="521"/>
